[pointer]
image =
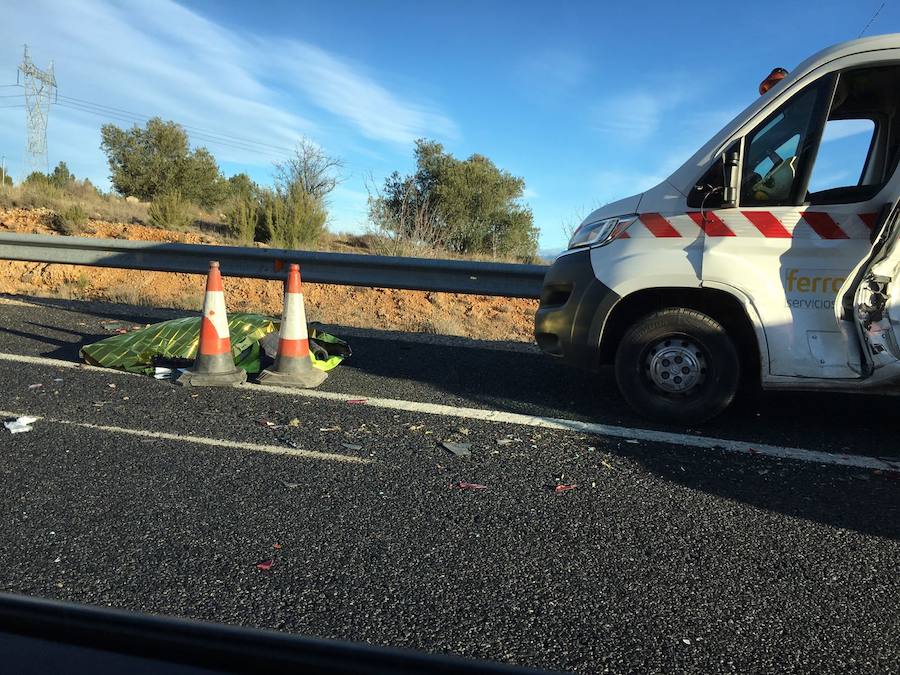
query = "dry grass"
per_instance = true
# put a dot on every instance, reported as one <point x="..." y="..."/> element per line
<point x="100" y="207"/>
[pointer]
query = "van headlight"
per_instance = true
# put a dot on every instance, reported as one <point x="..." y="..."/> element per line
<point x="600" y="232"/>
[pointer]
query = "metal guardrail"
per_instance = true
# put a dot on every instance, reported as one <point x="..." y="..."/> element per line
<point x="423" y="274"/>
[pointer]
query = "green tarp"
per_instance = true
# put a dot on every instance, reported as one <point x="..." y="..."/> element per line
<point x="173" y="344"/>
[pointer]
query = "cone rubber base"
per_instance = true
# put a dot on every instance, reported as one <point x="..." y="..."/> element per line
<point x="193" y="378"/>
<point x="309" y="379"/>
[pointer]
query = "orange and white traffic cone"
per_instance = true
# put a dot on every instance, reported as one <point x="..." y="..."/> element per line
<point x="293" y="364"/>
<point x="214" y="365"/>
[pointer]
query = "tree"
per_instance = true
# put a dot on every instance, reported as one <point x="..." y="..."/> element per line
<point x="309" y="171"/>
<point x="475" y="205"/>
<point x="61" y="176"/>
<point x="157" y="160"/>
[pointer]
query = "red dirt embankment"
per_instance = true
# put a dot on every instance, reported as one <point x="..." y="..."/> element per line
<point x="482" y="317"/>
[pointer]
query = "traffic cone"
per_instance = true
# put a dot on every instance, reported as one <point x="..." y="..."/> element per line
<point x="214" y="365"/>
<point x="293" y="365"/>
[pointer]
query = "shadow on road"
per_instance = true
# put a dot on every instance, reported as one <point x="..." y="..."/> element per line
<point x="524" y="381"/>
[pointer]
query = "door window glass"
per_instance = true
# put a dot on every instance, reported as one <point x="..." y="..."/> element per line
<point x="777" y="151"/>
<point x="842" y="155"/>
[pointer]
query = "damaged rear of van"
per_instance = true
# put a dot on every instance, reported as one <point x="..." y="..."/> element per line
<point x="748" y="263"/>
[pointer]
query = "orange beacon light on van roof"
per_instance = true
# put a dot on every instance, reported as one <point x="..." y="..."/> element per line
<point x="772" y="78"/>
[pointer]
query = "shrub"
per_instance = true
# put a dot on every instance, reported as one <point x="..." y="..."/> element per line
<point x="241" y="219"/>
<point x="75" y="217"/>
<point x="293" y="220"/>
<point x="170" y="211"/>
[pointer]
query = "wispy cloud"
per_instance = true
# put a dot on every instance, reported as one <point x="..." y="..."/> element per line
<point x="553" y="70"/>
<point x="164" y="59"/>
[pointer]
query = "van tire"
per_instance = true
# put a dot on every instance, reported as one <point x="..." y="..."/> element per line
<point x="696" y="340"/>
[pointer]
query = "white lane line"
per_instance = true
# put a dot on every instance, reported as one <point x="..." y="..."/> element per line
<point x="202" y="440"/>
<point x="647" y="435"/>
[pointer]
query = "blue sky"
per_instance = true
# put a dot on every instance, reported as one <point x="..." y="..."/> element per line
<point x="587" y="102"/>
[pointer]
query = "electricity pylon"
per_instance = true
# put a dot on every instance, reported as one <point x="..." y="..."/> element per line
<point x="40" y="92"/>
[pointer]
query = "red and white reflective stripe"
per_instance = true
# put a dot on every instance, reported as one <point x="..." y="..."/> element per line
<point x="214" y="337"/>
<point x="293" y="338"/>
<point x="732" y="223"/>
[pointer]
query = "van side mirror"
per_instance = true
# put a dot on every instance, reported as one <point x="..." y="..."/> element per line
<point x="731" y="179"/>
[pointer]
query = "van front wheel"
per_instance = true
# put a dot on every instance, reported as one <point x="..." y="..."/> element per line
<point x="677" y="365"/>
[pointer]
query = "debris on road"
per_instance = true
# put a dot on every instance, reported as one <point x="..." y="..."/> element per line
<point x="334" y="428"/>
<point x="753" y="451"/>
<point x="35" y="386"/>
<point x="294" y="423"/>
<point x="462" y="485"/>
<point x="606" y="465"/>
<point x="458" y="449"/>
<point x="290" y="443"/>
<point x="357" y="401"/>
<point x="20" y="424"/>
<point x="562" y="487"/>
<point x="508" y="441"/>
<point x="464" y="431"/>
<point x="276" y="546"/>
<point x="266" y="565"/>
<point x="291" y="486"/>
<point x="266" y="423"/>
<point x="632" y="440"/>
<point x="352" y="446"/>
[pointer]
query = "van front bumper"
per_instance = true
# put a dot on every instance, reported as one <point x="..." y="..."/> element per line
<point x="573" y="310"/>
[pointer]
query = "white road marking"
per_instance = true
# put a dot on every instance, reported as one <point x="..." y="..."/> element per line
<point x="486" y="415"/>
<point x="202" y="440"/>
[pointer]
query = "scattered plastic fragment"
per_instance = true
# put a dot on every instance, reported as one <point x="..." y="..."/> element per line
<point x="276" y="546"/>
<point x="35" y="386"/>
<point x="111" y="385"/>
<point x="462" y="485"/>
<point x="290" y="486"/>
<point x="458" y="449"/>
<point x="352" y="446"/>
<point x="464" y="431"/>
<point x="357" y="401"/>
<point x="57" y="379"/>
<point x="632" y="440"/>
<point x="266" y="423"/>
<point x="20" y="424"/>
<point x="686" y="641"/>
<point x="294" y="423"/>
<point x="564" y="488"/>
<point x="334" y="428"/>
<point x="266" y="565"/>
<point x="606" y="465"/>
<point x="161" y="373"/>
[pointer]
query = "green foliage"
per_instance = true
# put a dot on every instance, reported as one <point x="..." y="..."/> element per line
<point x="7" y="179"/>
<point x="157" y="160"/>
<point x="61" y="176"/>
<point x="293" y="220"/>
<point x="36" y="178"/>
<point x="241" y="218"/>
<point x="171" y="211"/>
<point x="75" y="217"/>
<point x="467" y="206"/>
<point x="241" y="186"/>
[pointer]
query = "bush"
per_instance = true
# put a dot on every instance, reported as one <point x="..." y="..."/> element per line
<point x="293" y="220"/>
<point x="241" y="219"/>
<point x="170" y="211"/>
<point x="74" y="219"/>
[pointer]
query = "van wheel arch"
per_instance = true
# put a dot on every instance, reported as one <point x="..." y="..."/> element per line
<point x="717" y="304"/>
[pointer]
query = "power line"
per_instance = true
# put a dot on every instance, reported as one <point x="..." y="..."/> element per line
<point x="877" y="12"/>
<point x="208" y="138"/>
<point x="200" y="130"/>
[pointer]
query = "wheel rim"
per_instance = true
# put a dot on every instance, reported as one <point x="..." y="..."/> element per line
<point x="676" y="365"/>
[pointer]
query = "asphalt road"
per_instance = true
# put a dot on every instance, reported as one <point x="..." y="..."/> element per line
<point x="663" y="558"/>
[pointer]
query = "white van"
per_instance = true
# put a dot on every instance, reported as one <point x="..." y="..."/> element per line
<point x="748" y="261"/>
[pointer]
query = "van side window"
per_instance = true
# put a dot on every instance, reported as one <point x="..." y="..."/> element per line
<point x="859" y="148"/>
<point x="777" y="153"/>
